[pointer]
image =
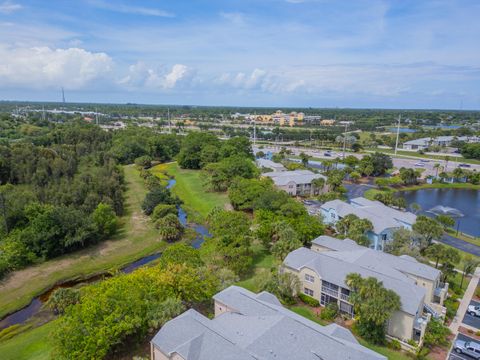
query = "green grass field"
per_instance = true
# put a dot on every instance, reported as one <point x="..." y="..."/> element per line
<point x="30" y="345"/>
<point x="198" y="202"/>
<point x="135" y="239"/>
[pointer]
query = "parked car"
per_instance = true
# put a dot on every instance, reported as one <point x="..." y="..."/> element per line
<point x="474" y="310"/>
<point x="420" y="164"/>
<point x="464" y="165"/>
<point x="469" y="348"/>
<point x="425" y="160"/>
<point x="327" y="154"/>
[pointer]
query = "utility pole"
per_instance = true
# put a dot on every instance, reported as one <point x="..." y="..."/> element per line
<point x="96" y="116"/>
<point x="345" y="139"/>
<point x="398" y="133"/>
<point x="169" y="123"/>
<point x="254" y="132"/>
<point x="63" y="96"/>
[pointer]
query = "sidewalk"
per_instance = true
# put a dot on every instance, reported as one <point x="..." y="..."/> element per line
<point x="467" y="297"/>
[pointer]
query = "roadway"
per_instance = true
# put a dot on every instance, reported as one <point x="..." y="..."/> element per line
<point x="402" y="161"/>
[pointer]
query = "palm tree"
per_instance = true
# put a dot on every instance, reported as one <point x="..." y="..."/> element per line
<point x="436" y="167"/>
<point x="447" y="158"/>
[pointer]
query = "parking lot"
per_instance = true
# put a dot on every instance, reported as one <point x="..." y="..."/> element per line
<point x="470" y="319"/>
<point x="454" y="355"/>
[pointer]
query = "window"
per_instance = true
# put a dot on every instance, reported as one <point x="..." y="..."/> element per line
<point x="308" y="291"/>
<point x="333" y="216"/>
<point x="384" y="237"/>
<point x="309" y="278"/>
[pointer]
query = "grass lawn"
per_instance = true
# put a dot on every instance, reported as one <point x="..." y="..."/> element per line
<point x="30" y="345"/>
<point x="389" y="353"/>
<point x="262" y="261"/>
<point x="198" y="202"/>
<point x="135" y="239"/>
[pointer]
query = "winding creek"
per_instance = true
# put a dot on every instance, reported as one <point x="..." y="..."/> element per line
<point x="35" y="306"/>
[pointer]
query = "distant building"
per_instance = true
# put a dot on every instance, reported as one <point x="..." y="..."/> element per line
<point x="327" y="122"/>
<point x="442" y="141"/>
<point x="250" y="326"/>
<point x="385" y="220"/>
<point x="297" y="182"/>
<point x="324" y="268"/>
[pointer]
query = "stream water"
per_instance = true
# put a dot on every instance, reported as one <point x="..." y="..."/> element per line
<point x="22" y="315"/>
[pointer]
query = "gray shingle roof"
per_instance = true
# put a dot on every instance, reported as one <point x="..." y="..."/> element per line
<point x="334" y="266"/>
<point x="270" y="165"/>
<point x="404" y="263"/>
<point x="382" y="216"/>
<point x="282" y="178"/>
<point x="261" y="329"/>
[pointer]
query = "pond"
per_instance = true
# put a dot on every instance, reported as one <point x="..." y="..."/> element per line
<point x="36" y="304"/>
<point x="462" y="204"/>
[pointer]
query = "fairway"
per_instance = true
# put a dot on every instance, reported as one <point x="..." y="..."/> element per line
<point x="136" y="238"/>
<point x="198" y="202"/>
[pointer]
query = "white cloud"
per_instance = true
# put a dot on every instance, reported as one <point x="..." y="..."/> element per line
<point x="8" y="7"/>
<point x="241" y="80"/>
<point x="44" y="67"/>
<point x="236" y="18"/>
<point x="142" y="76"/>
<point x="128" y="9"/>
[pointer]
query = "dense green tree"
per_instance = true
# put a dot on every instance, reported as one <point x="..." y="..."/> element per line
<point x="162" y="210"/>
<point x="220" y="175"/>
<point x="158" y="195"/>
<point x="169" y="227"/>
<point x="181" y="254"/>
<point x="285" y="285"/>
<point x="373" y="306"/>
<point x="105" y="220"/>
<point x="428" y="228"/>
<point x="445" y="220"/>
<point x="190" y="155"/>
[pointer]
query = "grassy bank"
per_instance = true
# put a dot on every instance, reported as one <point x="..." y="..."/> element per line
<point x="198" y="202"/>
<point x="31" y="345"/>
<point x="135" y="239"/>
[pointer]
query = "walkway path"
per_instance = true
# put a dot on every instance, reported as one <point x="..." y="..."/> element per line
<point x="467" y="297"/>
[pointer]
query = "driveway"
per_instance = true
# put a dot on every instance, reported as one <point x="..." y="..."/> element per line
<point x="470" y="319"/>
<point x="454" y="355"/>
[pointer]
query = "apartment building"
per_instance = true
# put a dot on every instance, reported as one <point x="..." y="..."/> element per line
<point x="442" y="141"/>
<point x="324" y="268"/>
<point x="385" y="220"/>
<point x="297" y="182"/>
<point x="249" y="326"/>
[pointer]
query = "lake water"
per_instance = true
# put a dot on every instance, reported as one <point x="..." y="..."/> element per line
<point x="467" y="201"/>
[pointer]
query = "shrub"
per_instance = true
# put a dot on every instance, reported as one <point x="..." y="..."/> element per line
<point x="308" y="300"/>
<point x="330" y="312"/>
<point x="144" y="162"/>
<point x="162" y="210"/>
<point x="394" y="344"/>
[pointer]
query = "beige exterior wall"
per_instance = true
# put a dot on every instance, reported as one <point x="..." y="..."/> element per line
<point x="400" y="325"/>
<point x="319" y="248"/>
<point x="158" y="355"/>
<point x="221" y="308"/>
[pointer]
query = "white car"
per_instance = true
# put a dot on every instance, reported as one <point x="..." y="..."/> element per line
<point x="420" y="164"/>
<point x="469" y="348"/>
<point x="474" y="310"/>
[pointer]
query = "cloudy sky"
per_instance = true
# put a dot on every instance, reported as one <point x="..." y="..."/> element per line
<point x="319" y="53"/>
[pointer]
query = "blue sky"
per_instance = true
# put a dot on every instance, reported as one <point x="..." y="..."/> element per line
<point x="319" y="53"/>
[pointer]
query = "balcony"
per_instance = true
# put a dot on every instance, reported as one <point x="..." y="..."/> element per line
<point x="344" y="297"/>
<point x="330" y="292"/>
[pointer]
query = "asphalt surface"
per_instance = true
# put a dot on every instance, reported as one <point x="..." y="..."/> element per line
<point x="454" y="355"/>
<point x="461" y="245"/>
<point x="470" y="319"/>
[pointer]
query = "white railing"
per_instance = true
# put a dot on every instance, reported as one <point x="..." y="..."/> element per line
<point x="330" y="292"/>
<point x="345" y="297"/>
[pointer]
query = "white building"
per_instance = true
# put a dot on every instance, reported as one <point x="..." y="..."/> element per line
<point x="297" y="182"/>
